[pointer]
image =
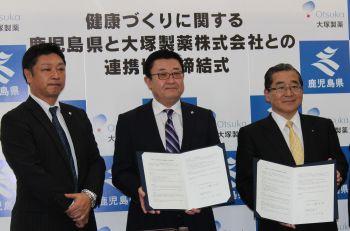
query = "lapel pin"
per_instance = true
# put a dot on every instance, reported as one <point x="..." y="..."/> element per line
<point x="192" y="112"/>
<point x="70" y="113"/>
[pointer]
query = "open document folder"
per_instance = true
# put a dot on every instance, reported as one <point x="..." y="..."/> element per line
<point x="296" y="195"/>
<point x="194" y="179"/>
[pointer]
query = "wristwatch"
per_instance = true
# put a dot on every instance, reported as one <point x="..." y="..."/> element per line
<point x="92" y="196"/>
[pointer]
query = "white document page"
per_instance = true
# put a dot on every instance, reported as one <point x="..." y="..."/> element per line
<point x="164" y="180"/>
<point x="274" y="191"/>
<point x="314" y="198"/>
<point x="207" y="181"/>
<point x="299" y="195"/>
<point x="193" y="179"/>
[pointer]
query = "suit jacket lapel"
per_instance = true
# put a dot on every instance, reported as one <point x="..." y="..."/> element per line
<point x="277" y="141"/>
<point x="188" y="123"/>
<point x="308" y="133"/>
<point x="41" y="116"/>
<point x="148" y="124"/>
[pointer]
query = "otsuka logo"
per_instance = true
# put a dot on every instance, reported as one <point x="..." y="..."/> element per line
<point x="5" y="72"/>
<point x="325" y="64"/>
<point x="309" y="7"/>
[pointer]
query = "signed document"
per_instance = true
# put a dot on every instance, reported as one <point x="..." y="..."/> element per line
<point x="193" y="179"/>
<point x="296" y="195"/>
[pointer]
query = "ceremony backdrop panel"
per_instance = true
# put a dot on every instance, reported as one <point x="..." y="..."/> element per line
<point x="227" y="47"/>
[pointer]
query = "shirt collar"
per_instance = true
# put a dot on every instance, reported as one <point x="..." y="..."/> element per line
<point x="158" y="107"/>
<point x="44" y="105"/>
<point x="281" y="121"/>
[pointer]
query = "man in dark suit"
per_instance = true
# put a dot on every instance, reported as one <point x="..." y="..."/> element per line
<point x="52" y="151"/>
<point x="144" y="129"/>
<point x="315" y="139"/>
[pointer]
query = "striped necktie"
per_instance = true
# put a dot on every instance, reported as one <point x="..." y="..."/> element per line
<point x="171" y="138"/>
<point x="295" y="145"/>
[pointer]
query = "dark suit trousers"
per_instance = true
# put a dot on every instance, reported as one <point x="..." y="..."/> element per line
<point x="47" y="221"/>
<point x="267" y="225"/>
<point x="137" y="220"/>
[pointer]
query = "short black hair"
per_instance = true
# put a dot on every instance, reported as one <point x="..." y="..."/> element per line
<point x="278" y="68"/>
<point x="160" y="54"/>
<point x="32" y="54"/>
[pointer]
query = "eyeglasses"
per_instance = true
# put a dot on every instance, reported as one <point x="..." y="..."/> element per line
<point x="283" y="89"/>
<point x="166" y="75"/>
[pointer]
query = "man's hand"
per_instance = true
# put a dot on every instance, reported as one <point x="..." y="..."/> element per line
<point x="80" y="224"/>
<point x="80" y="208"/>
<point x="339" y="178"/>
<point x="142" y="194"/>
<point x="192" y="211"/>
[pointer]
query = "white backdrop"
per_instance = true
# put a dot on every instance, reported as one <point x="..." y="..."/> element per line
<point x="227" y="47"/>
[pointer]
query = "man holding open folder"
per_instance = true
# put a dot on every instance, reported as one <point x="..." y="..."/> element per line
<point x="165" y="124"/>
<point x="286" y="137"/>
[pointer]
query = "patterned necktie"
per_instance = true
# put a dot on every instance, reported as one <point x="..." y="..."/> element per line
<point x="64" y="141"/>
<point x="171" y="138"/>
<point x="295" y="145"/>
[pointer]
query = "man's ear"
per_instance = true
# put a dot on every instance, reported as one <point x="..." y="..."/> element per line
<point x="29" y="76"/>
<point x="267" y="96"/>
<point x="148" y="82"/>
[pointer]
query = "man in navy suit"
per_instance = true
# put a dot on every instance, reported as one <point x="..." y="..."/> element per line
<point x="268" y="139"/>
<point x="143" y="129"/>
<point x="52" y="151"/>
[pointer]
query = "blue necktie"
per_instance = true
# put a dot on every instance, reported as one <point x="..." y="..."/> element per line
<point x="64" y="141"/>
<point x="171" y="138"/>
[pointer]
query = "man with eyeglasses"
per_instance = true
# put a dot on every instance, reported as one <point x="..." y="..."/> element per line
<point x="166" y="124"/>
<point x="314" y="139"/>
